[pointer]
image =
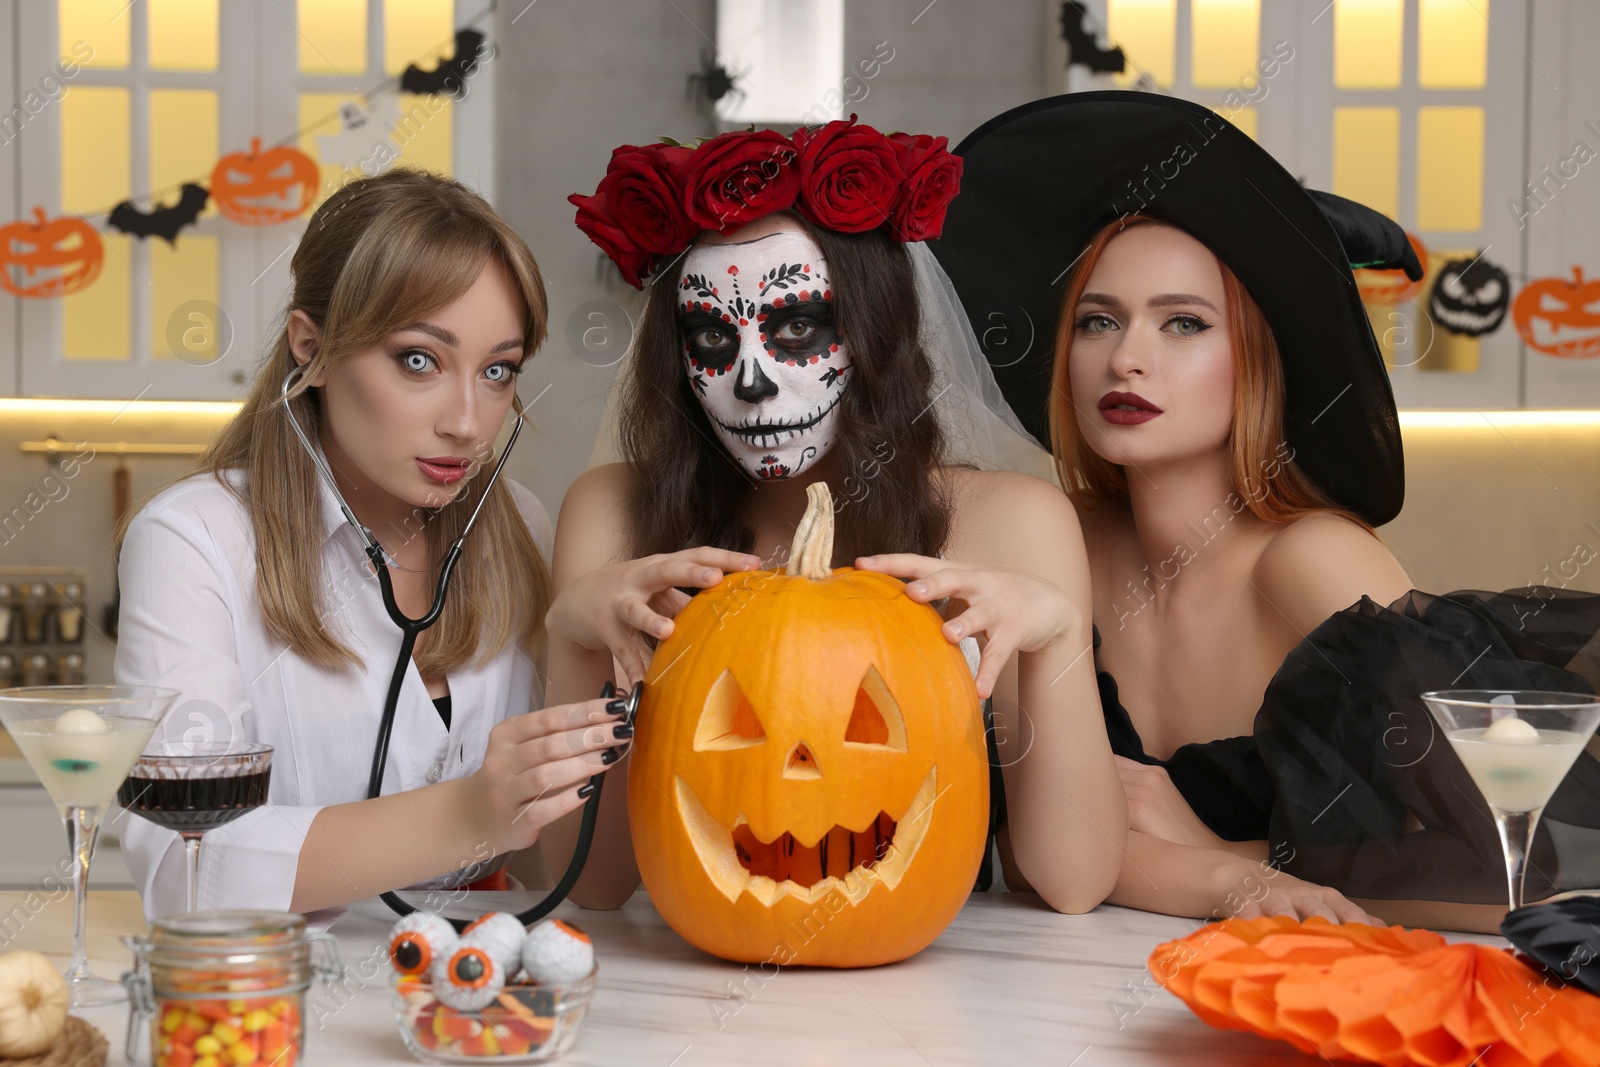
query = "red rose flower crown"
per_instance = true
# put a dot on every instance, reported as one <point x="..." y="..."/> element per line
<point x="655" y="199"/>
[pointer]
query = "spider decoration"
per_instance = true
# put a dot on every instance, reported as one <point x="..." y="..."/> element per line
<point x="712" y="81"/>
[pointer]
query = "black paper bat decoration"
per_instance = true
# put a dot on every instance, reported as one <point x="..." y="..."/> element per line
<point x="1082" y="47"/>
<point x="449" y="78"/>
<point x="163" y="221"/>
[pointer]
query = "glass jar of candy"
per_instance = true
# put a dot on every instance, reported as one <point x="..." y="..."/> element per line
<point x="226" y="987"/>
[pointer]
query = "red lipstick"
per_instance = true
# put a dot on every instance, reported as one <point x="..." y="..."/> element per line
<point x="1127" y="409"/>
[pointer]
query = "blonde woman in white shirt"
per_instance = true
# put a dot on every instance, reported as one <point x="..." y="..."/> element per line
<point x="413" y="309"/>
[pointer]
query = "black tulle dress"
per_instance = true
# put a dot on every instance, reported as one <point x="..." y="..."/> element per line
<point x="1347" y="774"/>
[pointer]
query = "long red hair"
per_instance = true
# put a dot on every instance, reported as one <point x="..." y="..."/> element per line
<point x="1272" y="486"/>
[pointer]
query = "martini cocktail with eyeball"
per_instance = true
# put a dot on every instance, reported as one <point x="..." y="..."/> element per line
<point x="81" y="741"/>
<point x="1517" y="746"/>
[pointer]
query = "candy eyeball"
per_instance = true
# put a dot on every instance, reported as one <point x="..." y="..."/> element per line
<point x="1511" y="730"/>
<point x="502" y="933"/>
<point x="418" y="940"/>
<point x="469" y="978"/>
<point x="81" y="721"/>
<point x="556" y="953"/>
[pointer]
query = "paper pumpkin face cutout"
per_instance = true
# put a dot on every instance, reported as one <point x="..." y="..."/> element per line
<point x="1558" y="317"/>
<point x="1470" y="297"/>
<point x="257" y="188"/>
<point x="1381" y="288"/>
<point x="809" y="781"/>
<point x="49" y="257"/>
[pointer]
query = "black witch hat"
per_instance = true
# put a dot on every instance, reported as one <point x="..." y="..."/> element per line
<point x="1041" y="179"/>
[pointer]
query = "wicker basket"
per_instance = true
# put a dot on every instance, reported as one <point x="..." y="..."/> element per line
<point x="80" y="1045"/>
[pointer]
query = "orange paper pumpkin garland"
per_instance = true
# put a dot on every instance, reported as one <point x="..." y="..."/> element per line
<point x="49" y="257"/>
<point x="1560" y="316"/>
<point x="1382" y="995"/>
<point x="809" y="779"/>
<point x="257" y="188"/>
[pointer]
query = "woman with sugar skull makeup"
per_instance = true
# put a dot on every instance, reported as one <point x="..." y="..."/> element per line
<point x="795" y="330"/>
<point x="1221" y="414"/>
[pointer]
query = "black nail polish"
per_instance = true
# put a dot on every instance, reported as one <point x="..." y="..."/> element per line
<point x="617" y="706"/>
<point x="608" y="690"/>
<point x="622" y="730"/>
<point x="586" y="789"/>
<point x="610" y="755"/>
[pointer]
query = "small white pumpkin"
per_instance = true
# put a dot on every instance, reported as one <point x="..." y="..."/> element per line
<point x="33" y="1004"/>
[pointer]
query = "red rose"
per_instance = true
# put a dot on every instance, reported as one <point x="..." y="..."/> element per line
<point x="850" y="176"/>
<point x="596" y="220"/>
<point x="932" y="179"/>
<point x="643" y="188"/>
<point x="737" y="177"/>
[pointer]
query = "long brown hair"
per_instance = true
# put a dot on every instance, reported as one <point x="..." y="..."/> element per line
<point x="380" y="253"/>
<point x="1256" y="444"/>
<point x="687" y="491"/>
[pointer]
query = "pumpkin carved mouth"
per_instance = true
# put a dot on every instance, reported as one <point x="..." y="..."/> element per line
<point x="1551" y="336"/>
<point x="844" y="859"/>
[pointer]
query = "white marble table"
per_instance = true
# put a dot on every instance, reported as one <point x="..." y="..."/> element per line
<point x="1010" y="982"/>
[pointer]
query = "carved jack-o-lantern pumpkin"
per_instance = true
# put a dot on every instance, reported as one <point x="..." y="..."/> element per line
<point x="809" y="781"/>
<point x="49" y="257"/>
<point x="1560" y="317"/>
<point x="1381" y="288"/>
<point x="257" y="188"/>
<point x="1470" y="296"/>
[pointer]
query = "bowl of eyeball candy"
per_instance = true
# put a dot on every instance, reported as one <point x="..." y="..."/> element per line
<point x="494" y="993"/>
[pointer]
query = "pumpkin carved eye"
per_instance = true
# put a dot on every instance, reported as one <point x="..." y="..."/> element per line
<point x="729" y="721"/>
<point x="876" y="721"/>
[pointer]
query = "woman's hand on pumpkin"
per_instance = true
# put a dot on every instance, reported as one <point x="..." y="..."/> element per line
<point x="614" y="608"/>
<point x="535" y="765"/>
<point x="1155" y="806"/>
<point x="1015" y="610"/>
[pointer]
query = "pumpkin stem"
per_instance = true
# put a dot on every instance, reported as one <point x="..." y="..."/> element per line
<point x="811" y="555"/>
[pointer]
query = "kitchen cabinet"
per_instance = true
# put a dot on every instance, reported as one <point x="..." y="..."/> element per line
<point x="37" y="856"/>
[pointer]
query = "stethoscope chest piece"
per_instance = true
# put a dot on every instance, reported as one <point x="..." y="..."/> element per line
<point x="630" y="708"/>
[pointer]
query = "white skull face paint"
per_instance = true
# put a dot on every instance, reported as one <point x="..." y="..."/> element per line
<point x="762" y="351"/>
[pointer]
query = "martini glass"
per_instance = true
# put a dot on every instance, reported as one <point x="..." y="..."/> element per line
<point x="81" y="740"/>
<point x="1518" y="745"/>
<point x="192" y="787"/>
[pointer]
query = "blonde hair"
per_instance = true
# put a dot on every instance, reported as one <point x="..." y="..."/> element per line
<point x="1255" y="440"/>
<point x="379" y="254"/>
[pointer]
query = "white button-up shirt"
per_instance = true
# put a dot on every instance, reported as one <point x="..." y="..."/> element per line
<point x="190" y="620"/>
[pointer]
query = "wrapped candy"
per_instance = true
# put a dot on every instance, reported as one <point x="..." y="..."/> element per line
<point x="502" y="933"/>
<point x="471" y="976"/>
<point x="417" y="941"/>
<point x="555" y="953"/>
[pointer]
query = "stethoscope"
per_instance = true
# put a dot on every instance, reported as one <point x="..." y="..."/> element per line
<point x="410" y="629"/>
